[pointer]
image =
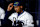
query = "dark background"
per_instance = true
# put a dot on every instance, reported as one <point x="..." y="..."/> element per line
<point x="30" y="5"/>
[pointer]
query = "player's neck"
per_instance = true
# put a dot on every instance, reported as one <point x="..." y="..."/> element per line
<point x="20" y="12"/>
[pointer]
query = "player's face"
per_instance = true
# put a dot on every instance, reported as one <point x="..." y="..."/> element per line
<point x="17" y="8"/>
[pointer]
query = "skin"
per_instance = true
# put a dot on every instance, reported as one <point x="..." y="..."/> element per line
<point x="10" y="8"/>
<point x="18" y="9"/>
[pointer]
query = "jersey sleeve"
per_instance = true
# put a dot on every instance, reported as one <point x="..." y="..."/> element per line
<point x="29" y="21"/>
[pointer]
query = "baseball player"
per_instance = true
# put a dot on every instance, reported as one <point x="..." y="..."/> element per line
<point x="20" y="16"/>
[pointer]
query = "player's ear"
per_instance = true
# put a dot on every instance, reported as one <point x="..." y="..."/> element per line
<point x="21" y="6"/>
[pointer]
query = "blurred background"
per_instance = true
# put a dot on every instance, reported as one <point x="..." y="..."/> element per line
<point x="31" y="6"/>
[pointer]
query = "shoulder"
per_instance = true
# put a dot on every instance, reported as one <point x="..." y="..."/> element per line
<point x="28" y="15"/>
<point x="13" y="15"/>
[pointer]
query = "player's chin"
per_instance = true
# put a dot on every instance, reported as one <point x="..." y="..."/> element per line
<point x="17" y="11"/>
